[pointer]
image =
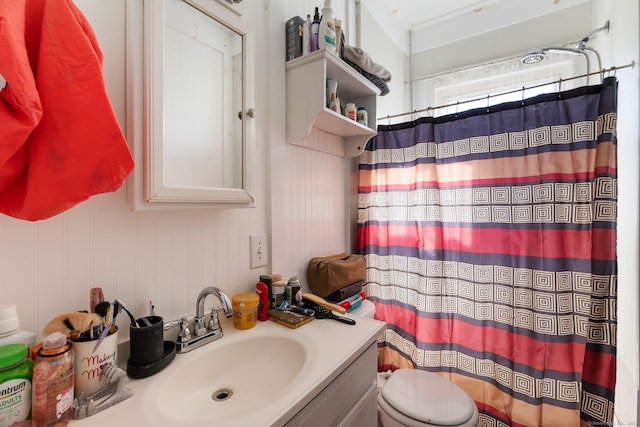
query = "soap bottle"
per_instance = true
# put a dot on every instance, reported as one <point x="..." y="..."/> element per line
<point x="306" y="36"/>
<point x="315" y="27"/>
<point x="327" y="31"/>
<point x="53" y="382"/>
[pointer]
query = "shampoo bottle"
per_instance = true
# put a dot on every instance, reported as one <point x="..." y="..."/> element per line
<point x="53" y="382"/>
<point x="306" y="36"/>
<point x="327" y="32"/>
<point x="315" y="27"/>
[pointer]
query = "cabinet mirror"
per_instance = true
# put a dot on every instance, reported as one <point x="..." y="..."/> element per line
<point x="190" y="87"/>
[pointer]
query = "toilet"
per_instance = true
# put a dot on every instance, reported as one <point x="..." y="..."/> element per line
<point x="416" y="398"/>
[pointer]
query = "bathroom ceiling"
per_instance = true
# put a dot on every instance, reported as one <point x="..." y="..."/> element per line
<point x="459" y="18"/>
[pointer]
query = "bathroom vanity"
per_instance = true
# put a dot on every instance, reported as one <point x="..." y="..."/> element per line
<point x="321" y="374"/>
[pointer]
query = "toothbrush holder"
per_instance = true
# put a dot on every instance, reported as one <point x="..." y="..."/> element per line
<point x="146" y="342"/>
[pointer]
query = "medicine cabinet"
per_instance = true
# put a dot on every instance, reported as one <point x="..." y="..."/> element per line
<point x="307" y="102"/>
<point x="190" y="97"/>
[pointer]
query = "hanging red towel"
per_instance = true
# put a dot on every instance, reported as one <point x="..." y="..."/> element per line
<point x="60" y="141"/>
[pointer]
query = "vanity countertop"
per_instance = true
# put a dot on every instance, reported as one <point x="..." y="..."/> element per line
<point x="328" y="346"/>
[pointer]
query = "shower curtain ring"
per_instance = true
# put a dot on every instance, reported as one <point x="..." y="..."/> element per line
<point x="488" y="102"/>
<point x="522" y="100"/>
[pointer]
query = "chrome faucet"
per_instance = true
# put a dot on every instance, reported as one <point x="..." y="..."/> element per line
<point x="199" y="334"/>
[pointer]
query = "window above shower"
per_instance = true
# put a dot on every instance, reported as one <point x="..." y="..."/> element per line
<point x="495" y="84"/>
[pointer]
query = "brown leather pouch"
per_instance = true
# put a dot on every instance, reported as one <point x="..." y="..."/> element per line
<point x="328" y="274"/>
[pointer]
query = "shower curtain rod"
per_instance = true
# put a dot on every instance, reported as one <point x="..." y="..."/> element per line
<point x="523" y="89"/>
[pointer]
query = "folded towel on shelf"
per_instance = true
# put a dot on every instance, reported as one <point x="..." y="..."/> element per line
<point x="364" y="61"/>
<point x="380" y="83"/>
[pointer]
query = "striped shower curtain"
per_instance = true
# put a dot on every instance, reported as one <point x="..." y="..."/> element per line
<point x="490" y="239"/>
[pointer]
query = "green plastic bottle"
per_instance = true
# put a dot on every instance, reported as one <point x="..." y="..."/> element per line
<point x="15" y="384"/>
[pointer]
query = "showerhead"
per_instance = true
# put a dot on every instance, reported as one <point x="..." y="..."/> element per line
<point x="536" y="55"/>
<point x="533" y="56"/>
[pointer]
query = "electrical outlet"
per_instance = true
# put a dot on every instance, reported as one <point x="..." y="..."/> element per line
<point x="258" y="248"/>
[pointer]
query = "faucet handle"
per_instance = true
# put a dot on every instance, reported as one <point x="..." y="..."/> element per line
<point x="214" y="324"/>
<point x="198" y="326"/>
<point x="184" y="334"/>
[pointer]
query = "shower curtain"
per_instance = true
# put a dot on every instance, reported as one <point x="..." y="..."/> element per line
<point x="490" y="240"/>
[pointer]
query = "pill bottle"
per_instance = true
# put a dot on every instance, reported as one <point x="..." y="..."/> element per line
<point x="53" y="382"/>
<point x="277" y="293"/>
<point x="15" y="384"/>
<point x="361" y="116"/>
<point x="245" y="310"/>
<point x="350" y="111"/>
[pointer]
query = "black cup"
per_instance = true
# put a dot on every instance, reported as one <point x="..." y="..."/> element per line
<point x="146" y="342"/>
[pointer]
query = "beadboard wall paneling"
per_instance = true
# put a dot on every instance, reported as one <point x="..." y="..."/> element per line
<point x="48" y="267"/>
<point x="310" y="213"/>
<point x="310" y="210"/>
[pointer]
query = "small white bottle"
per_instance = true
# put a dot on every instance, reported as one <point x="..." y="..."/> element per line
<point x="10" y="332"/>
<point x="361" y="116"/>
<point x="306" y="36"/>
<point x="350" y="111"/>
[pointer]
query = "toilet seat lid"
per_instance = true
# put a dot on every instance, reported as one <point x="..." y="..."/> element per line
<point x="427" y="397"/>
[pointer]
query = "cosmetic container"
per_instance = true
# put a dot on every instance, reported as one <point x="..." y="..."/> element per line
<point x="245" y="310"/>
<point x="315" y="27"/>
<point x="292" y="289"/>
<point x="306" y="36"/>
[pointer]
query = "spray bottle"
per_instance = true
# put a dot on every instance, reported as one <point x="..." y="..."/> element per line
<point x="327" y="32"/>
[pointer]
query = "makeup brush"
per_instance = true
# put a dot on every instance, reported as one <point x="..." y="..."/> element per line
<point x="72" y="322"/>
<point x="96" y="296"/>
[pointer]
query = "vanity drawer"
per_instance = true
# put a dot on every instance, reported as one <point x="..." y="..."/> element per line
<point x="336" y="403"/>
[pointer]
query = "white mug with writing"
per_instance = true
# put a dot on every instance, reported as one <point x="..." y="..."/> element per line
<point x="88" y="377"/>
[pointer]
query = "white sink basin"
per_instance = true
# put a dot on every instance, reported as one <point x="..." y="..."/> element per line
<point x="272" y="372"/>
<point x="226" y="379"/>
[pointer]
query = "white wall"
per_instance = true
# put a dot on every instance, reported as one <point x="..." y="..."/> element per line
<point x="620" y="47"/>
<point x="390" y="55"/>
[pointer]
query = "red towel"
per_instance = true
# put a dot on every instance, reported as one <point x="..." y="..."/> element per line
<point x="60" y="141"/>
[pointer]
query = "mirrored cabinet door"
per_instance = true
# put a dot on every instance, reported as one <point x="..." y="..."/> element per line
<point x="190" y="104"/>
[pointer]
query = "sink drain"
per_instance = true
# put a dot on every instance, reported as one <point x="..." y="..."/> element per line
<point x="222" y="394"/>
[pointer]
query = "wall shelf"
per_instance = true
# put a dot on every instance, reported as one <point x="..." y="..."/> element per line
<point x="306" y="101"/>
